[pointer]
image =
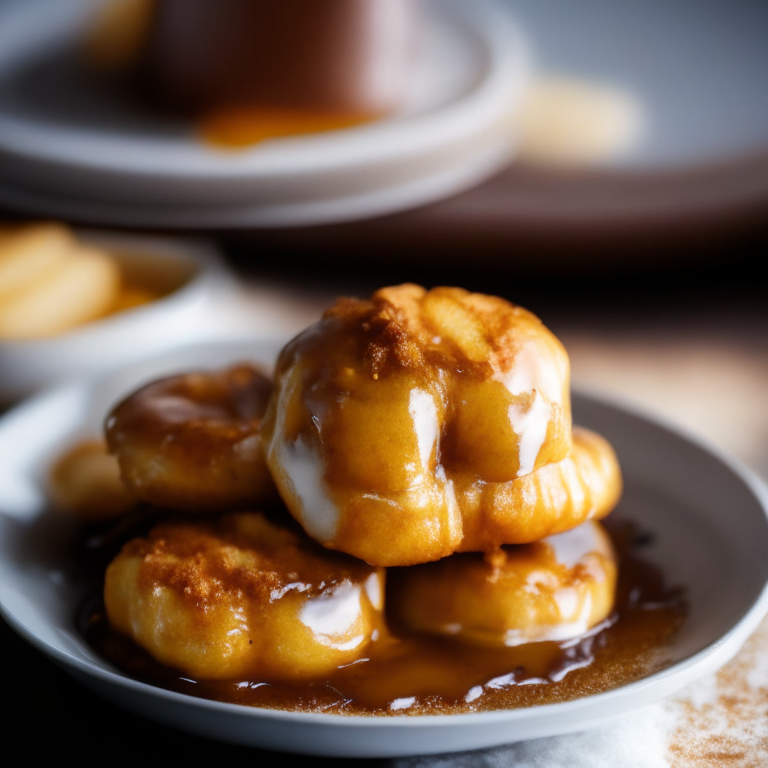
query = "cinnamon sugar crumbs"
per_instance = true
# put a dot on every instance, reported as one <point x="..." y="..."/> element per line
<point x="729" y="728"/>
<point x="406" y="325"/>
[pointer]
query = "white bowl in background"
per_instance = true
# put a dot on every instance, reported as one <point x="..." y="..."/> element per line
<point x="194" y="276"/>
<point x="707" y="514"/>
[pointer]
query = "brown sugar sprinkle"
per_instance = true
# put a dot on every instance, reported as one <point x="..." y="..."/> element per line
<point x="730" y="728"/>
<point x="203" y="562"/>
<point x="404" y="326"/>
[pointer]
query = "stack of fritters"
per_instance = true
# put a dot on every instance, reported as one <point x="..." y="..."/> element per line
<point x="427" y="433"/>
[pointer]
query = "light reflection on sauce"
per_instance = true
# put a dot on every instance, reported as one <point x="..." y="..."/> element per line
<point x="408" y="674"/>
<point x="244" y="127"/>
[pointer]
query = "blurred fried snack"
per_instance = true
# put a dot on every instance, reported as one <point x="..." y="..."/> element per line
<point x="49" y="283"/>
<point x="567" y="122"/>
<point x="86" y="482"/>
<point x="28" y="252"/>
<point x="80" y="289"/>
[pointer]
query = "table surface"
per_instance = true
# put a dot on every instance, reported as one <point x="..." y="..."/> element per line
<point x="690" y="344"/>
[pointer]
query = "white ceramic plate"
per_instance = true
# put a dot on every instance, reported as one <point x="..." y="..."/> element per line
<point x="708" y="514"/>
<point x="72" y="150"/>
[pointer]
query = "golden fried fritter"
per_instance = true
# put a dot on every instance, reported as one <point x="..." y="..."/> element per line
<point x="554" y="589"/>
<point x="243" y="596"/>
<point x="193" y="442"/>
<point x="86" y="482"/>
<point x="381" y="405"/>
<point x="586" y="485"/>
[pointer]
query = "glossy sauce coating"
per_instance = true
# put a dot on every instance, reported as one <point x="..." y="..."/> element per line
<point x="243" y="595"/>
<point x="585" y="485"/>
<point x="558" y="588"/>
<point x="193" y="442"/>
<point x="381" y="405"/>
<point x="406" y="673"/>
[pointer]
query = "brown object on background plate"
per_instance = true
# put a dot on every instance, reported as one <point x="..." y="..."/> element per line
<point x="348" y="55"/>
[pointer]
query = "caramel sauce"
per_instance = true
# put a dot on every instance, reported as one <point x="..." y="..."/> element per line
<point x="134" y="295"/>
<point x="403" y="673"/>
<point x="244" y="127"/>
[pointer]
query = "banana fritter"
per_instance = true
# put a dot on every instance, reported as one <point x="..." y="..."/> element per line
<point x="554" y="589"/>
<point x="193" y="442"/>
<point x="382" y="405"/>
<point x="240" y="595"/>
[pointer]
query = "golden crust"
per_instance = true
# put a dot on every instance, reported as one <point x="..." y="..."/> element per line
<point x="480" y="517"/>
<point x="410" y="327"/>
<point x="193" y="442"/>
<point x="586" y="485"/>
<point x="381" y="405"/>
<point x="552" y="590"/>
<point x="242" y="595"/>
<point x="206" y="561"/>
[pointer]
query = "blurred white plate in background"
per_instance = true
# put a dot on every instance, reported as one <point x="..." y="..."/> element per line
<point x="697" y="69"/>
<point x="696" y="174"/>
<point x="72" y="150"/>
